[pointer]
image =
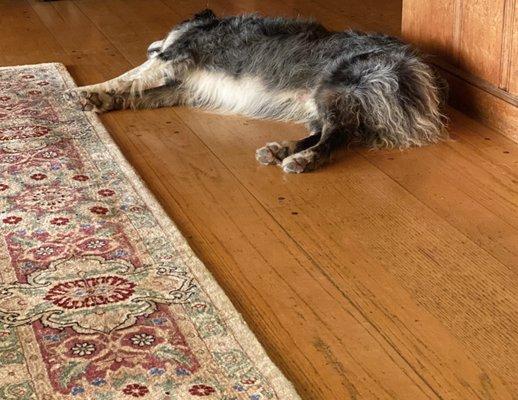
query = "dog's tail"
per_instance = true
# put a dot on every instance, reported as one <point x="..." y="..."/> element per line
<point x="393" y="102"/>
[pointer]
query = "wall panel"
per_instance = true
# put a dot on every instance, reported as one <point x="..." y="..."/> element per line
<point x="481" y="34"/>
<point x="475" y="43"/>
<point x="431" y="25"/>
<point x="512" y="34"/>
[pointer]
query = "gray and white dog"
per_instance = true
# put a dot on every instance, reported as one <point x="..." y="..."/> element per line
<point x="347" y="86"/>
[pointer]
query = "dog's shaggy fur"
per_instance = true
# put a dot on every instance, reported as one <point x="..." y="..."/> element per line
<point x="347" y="86"/>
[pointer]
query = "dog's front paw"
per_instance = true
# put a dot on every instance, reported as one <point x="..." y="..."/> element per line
<point x="72" y="97"/>
<point x="83" y="100"/>
<point x="90" y="101"/>
<point x="272" y="153"/>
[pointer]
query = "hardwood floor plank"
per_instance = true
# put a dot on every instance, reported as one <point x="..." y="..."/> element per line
<point x="372" y="15"/>
<point x="427" y="174"/>
<point x="17" y="21"/>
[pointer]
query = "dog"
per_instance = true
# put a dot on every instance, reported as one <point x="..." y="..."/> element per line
<point x="346" y="86"/>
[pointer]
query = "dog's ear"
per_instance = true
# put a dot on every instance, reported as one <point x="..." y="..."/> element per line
<point x="207" y="14"/>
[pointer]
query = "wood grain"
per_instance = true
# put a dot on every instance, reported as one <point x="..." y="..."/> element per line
<point x="385" y="275"/>
<point x="507" y="44"/>
<point x="433" y="25"/>
<point x="481" y="37"/>
<point x="512" y="45"/>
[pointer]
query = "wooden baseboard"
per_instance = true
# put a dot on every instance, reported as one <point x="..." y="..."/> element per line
<point x="491" y="106"/>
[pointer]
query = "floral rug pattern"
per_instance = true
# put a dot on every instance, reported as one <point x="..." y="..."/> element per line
<point x="100" y="296"/>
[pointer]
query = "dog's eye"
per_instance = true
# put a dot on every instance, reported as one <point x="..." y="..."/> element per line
<point x="152" y="53"/>
<point x="155" y="48"/>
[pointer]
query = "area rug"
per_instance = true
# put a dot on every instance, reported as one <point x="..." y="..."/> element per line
<point x="100" y="296"/>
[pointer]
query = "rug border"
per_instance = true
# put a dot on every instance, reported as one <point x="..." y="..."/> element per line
<point x="244" y="336"/>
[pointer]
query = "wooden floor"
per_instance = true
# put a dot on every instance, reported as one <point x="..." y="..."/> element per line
<point x="386" y="275"/>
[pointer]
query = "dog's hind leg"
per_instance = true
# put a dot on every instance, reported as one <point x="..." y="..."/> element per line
<point x="314" y="156"/>
<point x="340" y="122"/>
<point x="275" y="152"/>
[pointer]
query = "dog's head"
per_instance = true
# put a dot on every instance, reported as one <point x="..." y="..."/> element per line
<point x="202" y="20"/>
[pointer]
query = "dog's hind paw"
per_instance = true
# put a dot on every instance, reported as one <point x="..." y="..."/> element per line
<point x="300" y="162"/>
<point x="272" y="153"/>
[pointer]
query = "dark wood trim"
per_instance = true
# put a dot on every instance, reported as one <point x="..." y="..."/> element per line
<point x="487" y="105"/>
<point x="477" y="82"/>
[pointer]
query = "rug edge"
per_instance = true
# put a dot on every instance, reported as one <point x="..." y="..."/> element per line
<point x="233" y="318"/>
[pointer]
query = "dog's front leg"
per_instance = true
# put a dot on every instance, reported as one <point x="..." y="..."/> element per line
<point x="118" y="93"/>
